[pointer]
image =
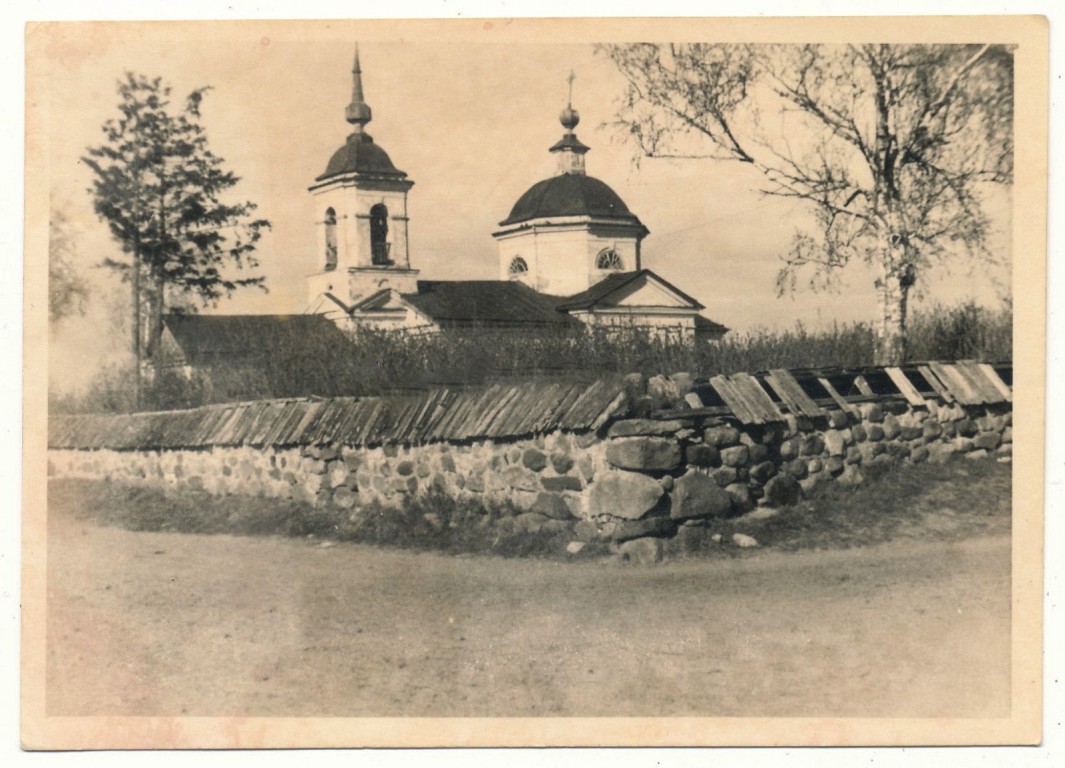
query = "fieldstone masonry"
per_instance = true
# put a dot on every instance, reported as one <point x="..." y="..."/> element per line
<point x="634" y="483"/>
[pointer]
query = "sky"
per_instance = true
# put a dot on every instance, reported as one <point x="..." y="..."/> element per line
<point x="469" y="122"/>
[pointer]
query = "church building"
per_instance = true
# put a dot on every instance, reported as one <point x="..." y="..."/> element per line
<point x="569" y="252"/>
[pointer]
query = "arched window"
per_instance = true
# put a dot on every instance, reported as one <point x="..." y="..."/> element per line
<point x="379" y="244"/>
<point x="518" y="267"/>
<point x="330" y="239"/>
<point x="608" y="258"/>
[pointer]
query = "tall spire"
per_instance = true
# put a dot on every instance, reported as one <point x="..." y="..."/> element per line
<point x="569" y="148"/>
<point x="358" y="112"/>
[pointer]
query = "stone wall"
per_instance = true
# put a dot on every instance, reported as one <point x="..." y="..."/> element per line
<point x="632" y="483"/>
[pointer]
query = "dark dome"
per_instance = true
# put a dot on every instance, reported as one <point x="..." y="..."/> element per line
<point x="571" y="194"/>
<point x="360" y="155"/>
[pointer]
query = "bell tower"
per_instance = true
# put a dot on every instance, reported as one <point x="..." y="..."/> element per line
<point x="361" y="216"/>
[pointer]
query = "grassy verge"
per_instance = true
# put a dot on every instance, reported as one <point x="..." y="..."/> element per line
<point x="937" y="502"/>
<point x="950" y="501"/>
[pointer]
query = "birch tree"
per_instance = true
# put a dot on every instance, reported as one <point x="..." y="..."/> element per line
<point x="892" y="148"/>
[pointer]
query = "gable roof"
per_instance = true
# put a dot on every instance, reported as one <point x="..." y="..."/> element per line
<point x="600" y="293"/>
<point x="487" y="302"/>
<point x="707" y="327"/>
<point x="210" y="339"/>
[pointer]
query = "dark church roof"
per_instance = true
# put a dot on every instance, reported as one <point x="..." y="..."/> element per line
<point x="214" y="339"/>
<point x="501" y="303"/>
<point x="595" y="294"/>
<point x="361" y="155"/>
<point x="570" y="194"/>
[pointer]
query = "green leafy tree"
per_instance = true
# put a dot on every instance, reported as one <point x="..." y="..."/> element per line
<point x="892" y="147"/>
<point x="160" y="189"/>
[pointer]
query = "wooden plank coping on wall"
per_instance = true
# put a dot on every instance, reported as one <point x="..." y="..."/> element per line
<point x="972" y="373"/>
<point x="839" y="400"/>
<point x="906" y="387"/>
<point x="935" y="383"/>
<point x="956" y="384"/>
<point x="996" y="381"/>
<point x="785" y="385"/>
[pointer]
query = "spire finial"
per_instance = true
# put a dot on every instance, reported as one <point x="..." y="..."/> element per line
<point x="570" y="117"/>
<point x="358" y="112"/>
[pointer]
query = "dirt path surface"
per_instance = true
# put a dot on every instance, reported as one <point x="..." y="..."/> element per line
<point x="146" y="623"/>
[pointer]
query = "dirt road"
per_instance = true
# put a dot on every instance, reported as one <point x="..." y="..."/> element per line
<point x="169" y="624"/>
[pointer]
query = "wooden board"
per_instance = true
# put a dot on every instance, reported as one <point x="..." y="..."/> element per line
<point x="863" y="385"/>
<point x="905" y="386"/>
<point x="798" y="402"/>
<point x="996" y="381"/>
<point x="959" y="387"/>
<point x="748" y="401"/>
<point x="836" y="396"/>
<point x="988" y="392"/>
<point x="935" y="383"/>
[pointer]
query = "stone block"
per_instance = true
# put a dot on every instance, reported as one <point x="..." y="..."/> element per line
<point x="645" y="427"/>
<point x="987" y="441"/>
<point x="980" y="453"/>
<point x="338" y="473"/>
<point x="702" y="455"/>
<point x="891" y="427"/>
<point x="666" y="481"/>
<point x="757" y="453"/>
<point x="627" y="495"/>
<point x="814" y="465"/>
<point x="519" y="478"/>
<point x="809" y="484"/>
<point x="796" y="468"/>
<point x="875" y="433"/>
<point x="698" y="495"/>
<point x="561" y="462"/>
<point x="740" y="495"/>
<point x="744" y="541"/>
<point x="405" y="468"/>
<point x="404" y="484"/>
<point x="312" y="466"/>
<point x="858" y="433"/>
<point x="835" y="444"/>
<point x="344" y="498"/>
<point x="872" y="412"/>
<point x="910" y="433"/>
<point x="534" y="459"/>
<point x="564" y="483"/>
<point x="736" y="456"/>
<point x="529" y="522"/>
<point x="966" y="427"/>
<point x="1007" y="435"/>
<point x="663" y="390"/>
<point x="789" y="449"/>
<point x="643" y="453"/>
<point x="834" y="466"/>
<point x="642" y="551"/>
<point x="837" y="419"/>
<point x="724" y="476"/>
<point x="870" y="451"/>
<point x="919" y="454"/>
<point x="781" y="491"/>
<point x="811" y="444"/>
<point x="586" y="530"/>
<point x="721" y="437"/>
<point x="931" y="429"/>
<point x="762" y="472"/>
<point x="648" y="526"/>
<point x="574" y="547"/>
<point x="551" y="505"/>
<point x="897" y="450"/>
<point x="447" y="463"/>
